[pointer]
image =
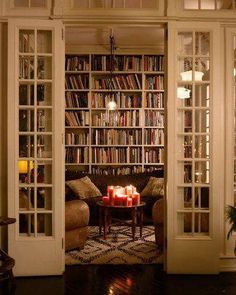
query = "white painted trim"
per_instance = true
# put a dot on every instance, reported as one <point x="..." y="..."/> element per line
<point x="186" y="255"/>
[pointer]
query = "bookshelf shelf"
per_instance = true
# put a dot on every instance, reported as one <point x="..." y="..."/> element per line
<point x="130" y="144"/>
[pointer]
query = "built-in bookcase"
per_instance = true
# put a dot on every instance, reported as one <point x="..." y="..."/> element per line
<point x="131" y="139"/>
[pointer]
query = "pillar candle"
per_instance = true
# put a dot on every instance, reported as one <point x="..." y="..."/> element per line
<point x="110" y="191"/>
<point x="106" y="200"/>
<point x="125" y="200"/>
<point x="128" y="190"/>
<point x="129" y="201"/>
<point x="136" y="198"/>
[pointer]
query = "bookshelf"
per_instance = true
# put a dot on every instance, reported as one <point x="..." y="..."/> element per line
<point x="133" y="140"/>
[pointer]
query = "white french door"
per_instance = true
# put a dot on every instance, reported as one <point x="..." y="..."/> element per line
<point x="35" y="146"/>
<point x="195" y="148"/>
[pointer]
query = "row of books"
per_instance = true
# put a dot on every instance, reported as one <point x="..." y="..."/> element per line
<point x="76" y="63"/>
<point x="77" y="155"/>
<point x="117" y="137"/>
<point x="76" y="100"/>
<point x="121" y="118"/>
<point x="103" y="62"/>
<point x="154" y="118"/>
<point x="80" y="118"/>
<point x="77" y="81"/>
<point x="116" y="155"/>
<point x="120" y="63"/>
<point x="154" y="136"/>
<point x="117" y="82"/>
<point x="116" y="171"/>
<point x="76" y="138"/>
<point x="154" y="82"/>
<point x="100" y="100"/>
<point x="154" y="155"/>
<point x="154" y="63"/>
<point x="154" y="100"/>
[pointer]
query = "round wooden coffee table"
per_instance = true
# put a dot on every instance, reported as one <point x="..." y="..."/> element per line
<point x="106" y="219"/>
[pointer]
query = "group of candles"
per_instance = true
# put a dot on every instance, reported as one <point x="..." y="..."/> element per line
<point x="121" y="196"/>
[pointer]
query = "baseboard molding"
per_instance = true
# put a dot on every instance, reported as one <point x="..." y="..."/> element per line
<point x="227" y="264"/>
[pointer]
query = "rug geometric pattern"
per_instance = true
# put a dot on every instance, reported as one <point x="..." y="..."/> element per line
<point x="118" y="248"/>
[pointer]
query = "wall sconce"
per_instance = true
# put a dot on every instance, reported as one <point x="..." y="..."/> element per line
<point x="188" y="75"/>
<point x="183" y="93"/>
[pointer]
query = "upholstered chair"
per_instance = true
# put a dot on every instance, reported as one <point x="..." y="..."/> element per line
<point x="158" y="221"/>
<point x="76" y="224"/>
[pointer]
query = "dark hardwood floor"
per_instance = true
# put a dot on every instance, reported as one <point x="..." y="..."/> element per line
<point x="123" y="279"/>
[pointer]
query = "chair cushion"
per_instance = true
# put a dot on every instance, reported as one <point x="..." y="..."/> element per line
<point x="154" y="187"/>
<point x="83" y="188"/>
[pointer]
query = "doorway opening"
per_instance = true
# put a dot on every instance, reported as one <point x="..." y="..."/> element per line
<point x="121" y="149"/>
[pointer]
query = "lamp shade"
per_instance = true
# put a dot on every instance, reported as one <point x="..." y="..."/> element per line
<point x="25" y="166"/>
<point x="183" y="93"/>
<point x="188" y="75"/>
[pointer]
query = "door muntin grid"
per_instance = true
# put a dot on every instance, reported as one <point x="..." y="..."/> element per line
<point x="35" y="138"/>
<point x="209" y="4"/>
<point x="193" y="133"/>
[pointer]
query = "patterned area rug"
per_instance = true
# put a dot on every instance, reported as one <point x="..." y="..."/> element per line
<point x="118" y="248"/>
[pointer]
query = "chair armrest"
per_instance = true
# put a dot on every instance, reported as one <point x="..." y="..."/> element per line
<point x="158" y="212"/>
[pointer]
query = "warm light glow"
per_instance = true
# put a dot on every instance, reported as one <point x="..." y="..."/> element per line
<point x="183" y="93"/>
<point x="112" y="105"/>
<point x="188" y="76"/>
<point x="25" y="166"/>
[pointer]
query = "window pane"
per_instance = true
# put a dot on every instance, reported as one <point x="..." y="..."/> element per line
<point x="26" y="224"/>
<point x="119" y="3"/>
<point x="185" y="147"/>
<point x="191" y="4"/>
<point x="202" y="69"/>
<point x="26" y="94"/>
<point x="202" y="95"/>
<point x="44" y="198"/>
<point x="44" y="68"/>
<point x="208" y="4"/>
<point x="202" y="43"/>
<point x="44" y="224"/>
<point x="81" y="4"/>
<point x="44" y="94"/>
<point x="21" y="3"/>
<point x="26" y="171"/>
<point x="38" y="3"/>
<point x="224" y="4"/>
<point x="202" y="121"/>
<point x="185" y="43"/>
<point x="202" y="197"/>
<point x="26" y="41"/>
<point x="149" y="4"/>
<point x="26" y="67"/>
<point x="184" y="95"/>
<point x="26" y="120"/>
<point x="26" y="146"/>
<point x="185" y="69"/>
<point x="202" y="172"/>
<point x="26" y="199"/>
<point x="44" y="41"/>
<point x="185" y="172"/>
<point x="44" y="172"/>
<point x="97" y="3"/>
<point x="184" y="197"/>
<point x="44" y="120"/>
<point x="202" y="146"/>
<point x="132" y="3"/>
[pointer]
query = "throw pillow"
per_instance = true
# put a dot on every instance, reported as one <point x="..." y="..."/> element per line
<point x="83" y="188"/>
<point x="154" y="187"/>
